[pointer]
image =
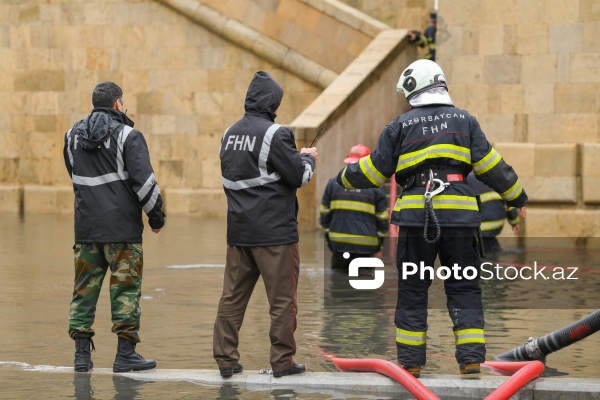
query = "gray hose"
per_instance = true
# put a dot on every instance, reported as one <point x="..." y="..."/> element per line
<point x="539" y="348"/>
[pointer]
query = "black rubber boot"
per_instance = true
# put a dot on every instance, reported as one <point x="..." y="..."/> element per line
<point x="83" y="353"/>
<point x="128" y="360"/>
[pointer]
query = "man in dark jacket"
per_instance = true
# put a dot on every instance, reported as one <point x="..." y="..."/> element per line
<point x="431" y="149"/>
<point x="493" y="214"/>
<point x="261" y="170"/>
<point x="113" y="181"/>
<point x="355" y="221"/>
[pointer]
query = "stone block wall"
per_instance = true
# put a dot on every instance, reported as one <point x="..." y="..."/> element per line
<point x="183" y="85"/>
<point x="527" y="69"/>
<point x="302" y="25"/>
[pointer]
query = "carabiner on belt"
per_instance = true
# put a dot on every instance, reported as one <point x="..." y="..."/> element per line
<point x="431" y="183"/>
<point x="431" y="191"/>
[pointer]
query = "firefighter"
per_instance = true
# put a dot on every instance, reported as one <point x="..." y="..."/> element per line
<point x="431" y="149"/>
<point x="427" y="38"/>
<point x="493" y="214"/>
<point x="354" y="221"/>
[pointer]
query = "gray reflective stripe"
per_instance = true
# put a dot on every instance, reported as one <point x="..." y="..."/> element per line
<point x="404" y="202"/>
<point x="121" y="174"/>
<point x="248" y="183"/>
<point x="145" y="189"/>
<point x="489" y="196"/>
<point x="432" y="151"/>
<point x="514" y="193"/>
<point x="458" y="202"/>
<point x="120" y="165"/>
<point x="266" y="148"/>
<point x="421" y="202"/>
<point x="410" y="337"/>
<point x="97" y="180"/>
<point x="223" y="138"/>
<point x="491" y="225"/>
<point x="263" y="156"/>
<point x="152" y="202"/>
<point x="69" y="147"/>
<point x="470" y="336"/>
<point x="308" y="172"/>
<point x="493" y="159"/>
<point x="352" y="205"/>
<point x="383" y="215"/>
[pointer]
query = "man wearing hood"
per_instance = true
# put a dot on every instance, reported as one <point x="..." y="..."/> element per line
<point x="261" y="171"/>
<point x="431" y="149"/>
<point x="113" y="180"/>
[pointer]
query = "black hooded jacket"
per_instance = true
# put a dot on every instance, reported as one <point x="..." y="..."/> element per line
<point x="109" y="165"/>
<point x="261" y="169"/>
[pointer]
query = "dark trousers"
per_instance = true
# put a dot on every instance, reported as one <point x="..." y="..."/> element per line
<point x="279" y="268"/>
<point x="456" y="245"/>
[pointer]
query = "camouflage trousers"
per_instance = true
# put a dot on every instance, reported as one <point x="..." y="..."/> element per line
<point x="92" y="261"/>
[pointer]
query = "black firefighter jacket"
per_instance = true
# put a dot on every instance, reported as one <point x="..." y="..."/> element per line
<point x="354" y="220"/>
<point x="261" y="169"/>
<point x="439" y="137"/>
<point x="493" y="209"/>
<point x="113" y="180"/>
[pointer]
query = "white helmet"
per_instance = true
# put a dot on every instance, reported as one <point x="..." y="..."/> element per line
<point x="420" y="76"/>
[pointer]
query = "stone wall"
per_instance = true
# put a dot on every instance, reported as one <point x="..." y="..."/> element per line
<point x="527" y="69"/>
<point x="183" y="85"/>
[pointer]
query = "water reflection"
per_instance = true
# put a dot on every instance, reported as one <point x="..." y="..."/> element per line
<point x="82" y="383"/>
<point x="125" y="388"/>
<point x="179" y="307"/>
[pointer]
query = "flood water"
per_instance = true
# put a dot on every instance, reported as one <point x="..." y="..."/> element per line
<point x="183" y="273"/>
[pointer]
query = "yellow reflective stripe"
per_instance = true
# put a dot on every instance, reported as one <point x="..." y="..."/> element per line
<point x="410" y="338"/>
<point x="491" y="225"/>
<point x="353" y="239"/>
<point x="489" y="196"/>
<point x="514" y="221"/>
<point x="372" y="173"/>
<point x="512" y="193"/>
<point x="345" y="182"/>
<point x="324" y="210"/>
<point x="448" y="201"/>
<point x="381" y="234"/>
<point x="467" y="336"/>
<point x="325" y="229"/>
<point x="383" y="215"/>
<point x="397" y="204"/>
<point x="437" y="151"/>
<point x="486" y="163"/>
<point x="353" y="206"/>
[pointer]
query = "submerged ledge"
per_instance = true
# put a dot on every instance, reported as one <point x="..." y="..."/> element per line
<point x="361" y="383"/>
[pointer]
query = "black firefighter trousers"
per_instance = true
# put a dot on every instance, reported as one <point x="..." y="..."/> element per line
<point x="456" y="245"/>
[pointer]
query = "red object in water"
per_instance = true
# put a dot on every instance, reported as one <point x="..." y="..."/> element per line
<point x="524" y="372"/>
<point x="389" y="369"/>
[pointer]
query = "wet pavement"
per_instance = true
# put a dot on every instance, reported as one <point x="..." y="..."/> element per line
<point x="183" y="273"/>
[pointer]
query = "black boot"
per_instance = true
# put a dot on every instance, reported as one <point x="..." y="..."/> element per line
<point x="128" y="360"/>
<point x="83" y="355"/>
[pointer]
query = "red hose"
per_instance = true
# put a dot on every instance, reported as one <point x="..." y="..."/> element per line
<point x="522" y="377"/>
<point x="388" y="369"/>
<point x="508" y="367"/>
